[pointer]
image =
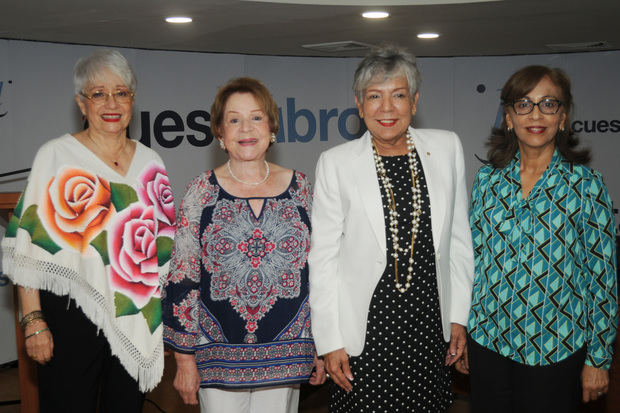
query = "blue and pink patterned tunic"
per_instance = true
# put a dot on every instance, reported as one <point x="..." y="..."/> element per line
<point x="237" y="292"/>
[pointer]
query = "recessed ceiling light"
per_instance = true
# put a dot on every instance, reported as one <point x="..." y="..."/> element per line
<point x="179" y="19"/>
<point x="375" y="14"/>
<point x="428" y="35"/>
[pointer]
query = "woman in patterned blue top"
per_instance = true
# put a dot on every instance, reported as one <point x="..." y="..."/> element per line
<point x="236" y="309"/>
<point x="544" y="307"/>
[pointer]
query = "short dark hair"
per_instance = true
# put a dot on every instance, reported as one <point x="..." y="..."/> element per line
<point x="503" y="143"/>
<point x="244" y="85"/>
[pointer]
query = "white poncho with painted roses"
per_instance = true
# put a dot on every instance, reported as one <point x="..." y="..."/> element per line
<point x="82" y="229"/>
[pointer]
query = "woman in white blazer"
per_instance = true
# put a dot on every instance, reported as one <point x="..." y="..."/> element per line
<point x="391" y="263"/>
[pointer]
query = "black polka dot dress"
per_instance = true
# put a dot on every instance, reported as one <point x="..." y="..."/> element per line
<point x="401" y="368"/>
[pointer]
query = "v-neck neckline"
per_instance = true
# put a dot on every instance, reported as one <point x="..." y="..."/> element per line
<point x="101" y="161"/>
<point x="542" y="180"/>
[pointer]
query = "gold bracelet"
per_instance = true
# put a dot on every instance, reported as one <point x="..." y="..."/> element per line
<point x="30" y="317"/>
<point x="36" y="333"/>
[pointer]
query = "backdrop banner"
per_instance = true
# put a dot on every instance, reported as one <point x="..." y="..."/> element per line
<point x="8" y="347"/>
<point x="317" y="111"/>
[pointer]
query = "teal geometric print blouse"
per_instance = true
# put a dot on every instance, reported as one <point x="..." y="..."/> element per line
<point x="545" y="280"/>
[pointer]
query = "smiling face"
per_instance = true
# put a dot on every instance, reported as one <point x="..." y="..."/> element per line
<point x="245" y="128"/>
<point x="536" y="130"/>
<point x="387" y="110"/>
<point x="110" y="117"/>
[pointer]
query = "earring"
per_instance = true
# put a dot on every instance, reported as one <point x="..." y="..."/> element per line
<point x="222" y="144"/>
<point x="273" y="138"/>
<point x="413" y="111"/>
<point x="562" y="128"/>
<point x="508" y="129"/>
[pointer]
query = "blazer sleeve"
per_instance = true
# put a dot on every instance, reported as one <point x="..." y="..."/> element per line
<point x="327" y="230"/>
<point x="461" y="251"/>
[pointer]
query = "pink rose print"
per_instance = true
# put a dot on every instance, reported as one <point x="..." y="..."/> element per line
<point x="156" y="191"/>
<point x="133" y="254"/>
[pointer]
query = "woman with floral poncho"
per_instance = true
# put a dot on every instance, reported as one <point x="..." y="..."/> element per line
<point x="87" y="243"/>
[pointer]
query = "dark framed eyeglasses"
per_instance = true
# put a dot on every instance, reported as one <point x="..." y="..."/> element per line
<point x="100" y="96"/>
<point x="547" y="106"/>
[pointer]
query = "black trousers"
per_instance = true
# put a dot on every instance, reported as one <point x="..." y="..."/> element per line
<point x="82" y="370"/>
<point x="499" y="384"/>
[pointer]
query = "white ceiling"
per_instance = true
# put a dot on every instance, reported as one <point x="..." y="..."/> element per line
<point x="280" y="27"/>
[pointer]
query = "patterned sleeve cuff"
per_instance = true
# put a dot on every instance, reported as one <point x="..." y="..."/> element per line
<point x="598" y="362"/>
<point x="179" y="341"/>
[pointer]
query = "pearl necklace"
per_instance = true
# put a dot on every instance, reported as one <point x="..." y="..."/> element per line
<point x="248" y="183"/>
<point x="394" y="215"/>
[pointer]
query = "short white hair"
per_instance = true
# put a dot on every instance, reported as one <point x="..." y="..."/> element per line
<point x="89" y="69"/>
<point x="387" y="61"/>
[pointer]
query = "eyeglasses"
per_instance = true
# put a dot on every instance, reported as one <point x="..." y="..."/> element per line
<point x="100" y="97"/>
<point x="547" y="106"/>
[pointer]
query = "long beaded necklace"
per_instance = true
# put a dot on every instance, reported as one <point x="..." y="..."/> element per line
<point x="245" y="182"/>
<point x="394" y="215"/>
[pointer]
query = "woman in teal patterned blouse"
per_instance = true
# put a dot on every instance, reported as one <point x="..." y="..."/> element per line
<point x="544" y="308"/>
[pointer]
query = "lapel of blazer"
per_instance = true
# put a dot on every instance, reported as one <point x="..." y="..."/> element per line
<point x="431" y="164"/>
<point x="363" y="167"/>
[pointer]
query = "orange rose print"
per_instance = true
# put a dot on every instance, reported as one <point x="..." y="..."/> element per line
<point x="76" y="207"/>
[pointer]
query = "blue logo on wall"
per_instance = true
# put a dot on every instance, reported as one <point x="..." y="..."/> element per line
<point x="170" y="128"/>
<point x="1" y="84"/>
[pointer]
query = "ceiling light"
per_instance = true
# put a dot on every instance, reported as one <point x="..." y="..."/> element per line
<point x="428" y="35"/>
<point x="179" y="19"/>
<point x="375" y="14"/>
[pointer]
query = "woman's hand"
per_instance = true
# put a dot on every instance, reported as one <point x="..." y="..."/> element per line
<point x="594" y="382"/>
<point x="40" y="347"/>
<point x="337" y="365"/>
<point x="38" y="338"/>
<point x="457" y="350"/>
<point x="187" y="378"/>
<point x="318" y="374"/>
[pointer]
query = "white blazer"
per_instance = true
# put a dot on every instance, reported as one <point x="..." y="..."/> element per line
<point x="348" y="254"/>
